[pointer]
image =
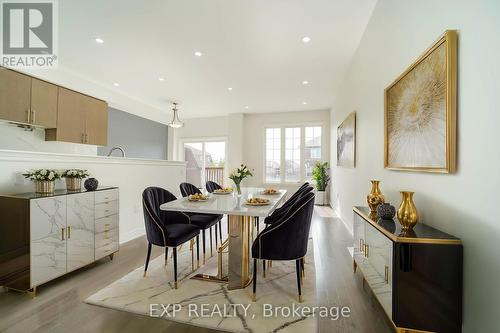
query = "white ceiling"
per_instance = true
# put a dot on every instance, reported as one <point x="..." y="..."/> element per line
<point x="253" y="46"/>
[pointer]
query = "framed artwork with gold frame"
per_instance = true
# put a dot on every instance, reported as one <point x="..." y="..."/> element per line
<point x="420" y="112"/>
<point x="346" y="142"/>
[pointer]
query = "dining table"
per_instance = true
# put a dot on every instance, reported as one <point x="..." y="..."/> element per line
<point x="241" y="229"/>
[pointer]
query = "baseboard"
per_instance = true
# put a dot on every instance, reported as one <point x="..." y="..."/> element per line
<point x="132" y="234"/>
<point x="346" y="225"/>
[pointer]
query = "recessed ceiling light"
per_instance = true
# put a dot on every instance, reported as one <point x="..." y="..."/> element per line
<point x="99" y="40"/>
<point x="305" y="103"/>
<point x="116" y="84"/>
<point x="247" y="107"/>
<point x="305" y="82"/>
<point x="230" y="88"/>
<point x="161" y="79"/>
<point x="306" y="39"/>
<point x="198" y="54"/>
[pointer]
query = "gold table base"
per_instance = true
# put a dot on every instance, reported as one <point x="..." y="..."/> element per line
<point x="239" y="243"/>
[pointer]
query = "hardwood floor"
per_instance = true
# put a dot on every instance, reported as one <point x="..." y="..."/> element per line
<point x="59" y="305"/>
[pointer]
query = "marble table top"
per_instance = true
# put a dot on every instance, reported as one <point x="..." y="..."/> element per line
<point x="230" y="204"/>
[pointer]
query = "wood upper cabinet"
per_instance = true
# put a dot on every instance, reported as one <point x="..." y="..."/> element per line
<point x="70" y="118"/>
<point x="15" y="96"/>
<point x="43" y="103"/>
<point x="80" y="119"/>
<point x="96" y="122"/>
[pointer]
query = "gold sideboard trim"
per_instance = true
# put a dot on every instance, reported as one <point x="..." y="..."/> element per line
<point x="399" y="239"/>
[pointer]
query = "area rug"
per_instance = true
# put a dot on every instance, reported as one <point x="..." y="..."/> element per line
<point x="211" y="304"/>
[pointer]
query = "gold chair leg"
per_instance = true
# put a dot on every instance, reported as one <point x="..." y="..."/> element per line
<point x="192" y="254"/>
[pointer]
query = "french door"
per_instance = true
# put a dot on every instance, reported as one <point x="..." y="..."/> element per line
<point x="206" y="160"/>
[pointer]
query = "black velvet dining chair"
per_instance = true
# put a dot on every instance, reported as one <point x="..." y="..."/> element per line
<point x="279" y="212"/>
<point x="167" y="228"/>
<point x="286" y="239"/>
<point x="212" y="186"/>
<point x="203" y="221"/>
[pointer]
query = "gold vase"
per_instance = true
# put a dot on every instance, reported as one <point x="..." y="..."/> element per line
<point x="407" y="212"/>
<point x="44" y="186"/>
<point x="375" y="197"/>
<point x="73" y="184"/>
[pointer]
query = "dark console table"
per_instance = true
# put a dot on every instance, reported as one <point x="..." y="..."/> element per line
<point x="416" y="277"/>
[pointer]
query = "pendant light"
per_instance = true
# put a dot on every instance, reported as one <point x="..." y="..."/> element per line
<point x="176" y="122"/>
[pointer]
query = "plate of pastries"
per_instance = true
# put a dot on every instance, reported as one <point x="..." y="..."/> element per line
<point x="270" y="191"/>
<point x="257" y="202"/>
<point x="197" y="197"/>
<point x="225" y="190"/>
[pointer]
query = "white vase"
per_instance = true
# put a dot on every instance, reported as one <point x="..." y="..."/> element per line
<point x="320" y="198"/>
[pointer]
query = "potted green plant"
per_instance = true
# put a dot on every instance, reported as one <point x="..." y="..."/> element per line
<point x="238" y="175"/>
<point x="74" y="179"/>
<point x="321" y="178"/>
<point x="44" y="179"/>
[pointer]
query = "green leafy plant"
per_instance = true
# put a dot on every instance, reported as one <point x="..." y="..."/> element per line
<point x="320" y="175"/>
<point x="75" y="173"/>
<point x="42" y="175"/>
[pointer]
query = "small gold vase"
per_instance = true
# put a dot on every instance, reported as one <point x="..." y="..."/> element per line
<point x="44" y="186"/>
<point x="375" y="197"/>
<point x="407" y="212"/>
<point x="73" y="184"/>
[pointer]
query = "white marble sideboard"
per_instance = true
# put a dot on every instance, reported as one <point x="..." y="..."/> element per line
<point x="46" y="237"/>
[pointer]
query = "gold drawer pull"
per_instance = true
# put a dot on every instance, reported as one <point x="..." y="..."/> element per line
<point x="367" y="250"/>
<point x="69" y="232"/>
<point x="62" y="234"/>
<point x="386" y="274"/>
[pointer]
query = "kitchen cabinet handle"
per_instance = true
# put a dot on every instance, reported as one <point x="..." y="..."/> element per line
<point x="386" y="274"/>
<point x="83" y="137"/>
<point x="367" y="250"/>
<point x="69" y="232"/>
<point x="86" y="138"/>
<point x="62" y="233"/>
<point x="33" y="116"/>
<point x="361" y="244"/>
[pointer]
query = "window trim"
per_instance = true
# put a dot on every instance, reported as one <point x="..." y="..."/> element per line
<point x="282" y="127"/>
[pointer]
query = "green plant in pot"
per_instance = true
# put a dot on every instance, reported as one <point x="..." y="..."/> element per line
<point x="321" y="178"/>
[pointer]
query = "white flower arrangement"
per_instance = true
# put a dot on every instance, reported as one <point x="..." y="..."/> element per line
<point x="75" y="173"/>
<point x="42" y="175"/>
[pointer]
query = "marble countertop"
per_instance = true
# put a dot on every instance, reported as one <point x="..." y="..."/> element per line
<point x="58" y="192"/>
<point x="230" y="204"/>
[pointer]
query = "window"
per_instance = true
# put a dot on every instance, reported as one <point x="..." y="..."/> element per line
<point x="312" y="149"/>
<point x="205" y="161"/>
<point x="273" y="155"/>
<point x="291" y="152"/>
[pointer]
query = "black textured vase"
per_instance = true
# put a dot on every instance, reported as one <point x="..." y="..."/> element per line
<point x="91" y="184"/>
<point x="386" y="211"/>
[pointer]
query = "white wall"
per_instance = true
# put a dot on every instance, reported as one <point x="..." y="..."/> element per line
<point x="463" y="204"/>
<point x="212" y="127"/>
<point x="131" y="175"/>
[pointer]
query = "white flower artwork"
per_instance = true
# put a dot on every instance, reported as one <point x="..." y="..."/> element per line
<point x="418" y="116"/>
